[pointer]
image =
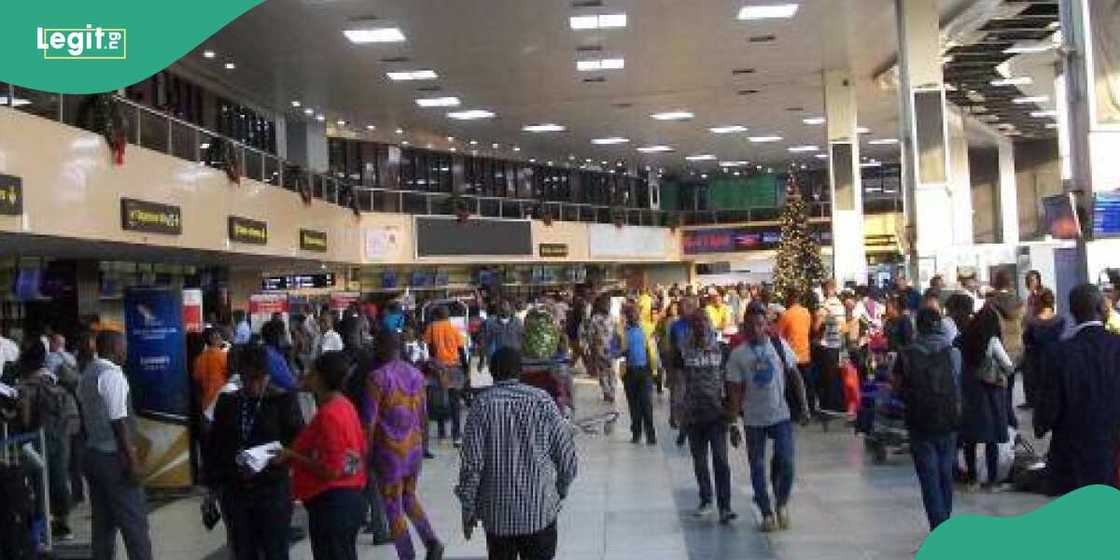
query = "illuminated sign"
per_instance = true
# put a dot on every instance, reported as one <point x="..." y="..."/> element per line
<point x="553" y="250"/>
<point x="312" y="240"/>
<point x="11" y="195"/>
<point x="244" y="230"/>
<point x="151" y="217"/>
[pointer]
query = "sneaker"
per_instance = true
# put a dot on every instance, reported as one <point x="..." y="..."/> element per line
<point x="783" y="518"/>
<point x="435" y="552"/>
<point x="769" y="524"/>
<point x="727" y="516"/>
<point x="704" y="510"/>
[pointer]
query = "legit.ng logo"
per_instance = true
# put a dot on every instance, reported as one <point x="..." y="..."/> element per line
<point x="88" y="43"/>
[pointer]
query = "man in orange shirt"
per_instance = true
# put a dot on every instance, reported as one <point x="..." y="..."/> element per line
<point x="211" y="369"/>
<point x="444" y="341"/>
<point x="794" y="326"/>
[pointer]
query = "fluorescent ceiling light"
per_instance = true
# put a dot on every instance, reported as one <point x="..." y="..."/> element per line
<point x="1017" y="81"/>
<point x="654" y="149"/>
<point x="16" y="102"/>
<point x="814" y="121"/>
<point x="1029" y="49"/>
<point x="821" y="156"/>
<point x="594" y="64"/>
<point x="765" y="139"/>
<point x="370" y="127"/>
<point x="863" y="130"/>
<point x="1031" y="99"/>
<point x="399" y="131"/>
<point x="734" y="163"/>
<point x="230" y="66"/>
<point x="340" y="122"/>
<point x="701" y="157"/>
<point x="412" y="75"/>
<point x="728" y="129"/>
<point x="768" y="11"/>
<point x="601" y="21"/>
<point x="672" y="116"/>
<point x="320" y="118"/>
<point x="473" y="142"/>
<point x="517" y="148"/>
<point x="438" y="102"/>
<point x="208" y="54"/>
<point x="872" y="163"/>
<point x="1052" y="125"/>
<point x="609" y="140"/>
<point x="1044" y="114"/>
<point x="473" y="114"/>
<point x="883" y="141"/>
<point x="545" y="127"/>
<point x="803" y="149"/>
<point x="309" y="111"/>
<point x="296" y="104"/>
<point x="374" y="35"/>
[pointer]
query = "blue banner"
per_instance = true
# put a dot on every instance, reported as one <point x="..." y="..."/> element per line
<point x="157" y="363"/>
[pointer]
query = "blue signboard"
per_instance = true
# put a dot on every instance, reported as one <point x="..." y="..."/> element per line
<point x="157" y="363"/>
<point x="1106" y="215"/>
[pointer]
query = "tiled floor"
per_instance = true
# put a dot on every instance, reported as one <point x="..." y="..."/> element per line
<point x="634" y="502"/>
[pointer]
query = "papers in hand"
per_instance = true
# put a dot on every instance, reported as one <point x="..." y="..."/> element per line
<point x="255" y="459"/>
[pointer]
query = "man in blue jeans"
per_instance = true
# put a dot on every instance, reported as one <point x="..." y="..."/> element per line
<point x="756" y="386"/>
<point x="929" y="371"/>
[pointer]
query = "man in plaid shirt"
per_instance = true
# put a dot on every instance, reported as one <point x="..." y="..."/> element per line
<point x="518" y="460"/>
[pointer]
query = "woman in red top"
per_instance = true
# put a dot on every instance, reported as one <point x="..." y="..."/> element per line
<point x="328" y="463"/>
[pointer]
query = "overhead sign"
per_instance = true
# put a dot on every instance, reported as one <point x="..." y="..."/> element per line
<point x="244" y="230"/>
<point x="151" y="217"/>
<point x="733" y="240"/>
<point x="11" y="195"/>
<point x="298" y="282"/>
<point x="313" y="240"/>
<point x="448" y="237"/>
<point x="553" y="250"/>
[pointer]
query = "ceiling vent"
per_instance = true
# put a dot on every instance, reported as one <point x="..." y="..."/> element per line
<point x="587" y="4"/>
<point x="622" y="105"/>
<point x="795" y="109"/>
<point x="395" y="59"/>
<point x="429" y="89"/>
<point x="589" y="48"/>
<point x="595" y="80"/>
<point x="742" y="71"/>
<point x="747" y="91"/>
<point x="762" y="39"/>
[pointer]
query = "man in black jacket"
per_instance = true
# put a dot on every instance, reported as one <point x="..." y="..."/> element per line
<point x="1080" y="401"/>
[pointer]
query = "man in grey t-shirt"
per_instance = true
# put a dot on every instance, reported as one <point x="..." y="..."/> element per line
<point x="756" y="385"/>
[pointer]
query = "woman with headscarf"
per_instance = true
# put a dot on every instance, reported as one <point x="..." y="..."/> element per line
<point x="984" y="403"/>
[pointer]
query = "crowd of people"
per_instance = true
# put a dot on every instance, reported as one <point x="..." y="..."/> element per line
<point x="334" y="410"/>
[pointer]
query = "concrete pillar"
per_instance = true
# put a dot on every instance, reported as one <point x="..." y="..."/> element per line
<point x="306" y="144"/>
<point x="923" y="134"/>
<point x="1008" y="193"/>
<point x="1091" y="31"/>
<point x="841" y="110"/>
<point x="960" y="180"/>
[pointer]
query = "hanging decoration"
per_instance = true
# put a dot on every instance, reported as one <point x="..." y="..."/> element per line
<point x="459" y="207"/>
<point x="352" y="201"/>
<point x="102" y="114"/>
<point x="222" y="154"/>
<point x="799" y="264"/>
<point x="618" y="217"/>
<point x="301" y="183"/>
<point x="543" y="213"/>
<point x="672" y="221"/>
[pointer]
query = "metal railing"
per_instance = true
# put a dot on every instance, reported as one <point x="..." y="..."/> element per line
<point x="156" y="130"/>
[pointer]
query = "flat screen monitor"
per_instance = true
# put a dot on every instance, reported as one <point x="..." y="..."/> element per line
<point x="1061" y="217"/>
<point x="1106" y="215"/>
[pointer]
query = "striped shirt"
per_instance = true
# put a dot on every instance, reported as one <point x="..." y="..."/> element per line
<point x="518" y="460"/>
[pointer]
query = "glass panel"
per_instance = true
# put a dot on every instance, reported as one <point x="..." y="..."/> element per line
<point x="252" y="164"/>
<point x="153" y="131"/>
<point x="317" y="186"/>
<point x="183" y="142"/>
<point x="37" y="103"/>
<point x="569" y="213"/>
<point x="386" y="201"/>
<point x="511" y="209"/>
<point x="415" y="203"/>
<point x="272" y="170"/>
<point x="490" y="208"/>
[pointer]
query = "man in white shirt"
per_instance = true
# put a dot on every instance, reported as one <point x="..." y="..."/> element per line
<point x="111" y="463"/>
<point x="331" y="341"/>
<point x="9" y="351"/>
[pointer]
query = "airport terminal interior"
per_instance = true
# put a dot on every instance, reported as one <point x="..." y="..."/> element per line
<point x="520" y="278"/>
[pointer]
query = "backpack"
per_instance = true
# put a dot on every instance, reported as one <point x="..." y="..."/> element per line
<point x="57" y="409"/>
<point x="795" y="386"/>
<point x="933" y="403"/>
<point x="542" y="336"/>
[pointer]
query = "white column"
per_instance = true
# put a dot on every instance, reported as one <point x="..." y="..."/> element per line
<point x="1091" y="30"/>
<point x="960" y="179"/>
<point x="849" y="261"/>
<point x="929" y="206"/>
<point x="1008" y="193"/>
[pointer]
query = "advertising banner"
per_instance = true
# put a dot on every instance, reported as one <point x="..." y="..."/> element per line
<point x="342" y="300"/>
<point x="263" y="306"/>
<point x="735" y="240"/>
<point x="156" y="367"/>
<point x="192" y="310"/>
<point x="382" y="243"/>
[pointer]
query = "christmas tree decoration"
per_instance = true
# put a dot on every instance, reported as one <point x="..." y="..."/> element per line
<point x="799" y="264"/>
<point x="102" y="114"/>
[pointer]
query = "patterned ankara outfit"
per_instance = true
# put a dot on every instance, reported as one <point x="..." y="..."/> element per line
<point x="398" y="412"/>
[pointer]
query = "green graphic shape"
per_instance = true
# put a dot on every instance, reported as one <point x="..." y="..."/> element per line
<point x="147" y="37"/>
<point x="1081" y="524"/>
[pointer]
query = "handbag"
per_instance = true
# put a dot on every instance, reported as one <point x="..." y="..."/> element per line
<point x="989" y="371"/>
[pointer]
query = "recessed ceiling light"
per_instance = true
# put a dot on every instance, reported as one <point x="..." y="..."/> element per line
<point x="370" y="127"/>
<point x="884" y="141"/>
<point x="814" y="121"/>
<point x="473" y="114"/>
<point x="821" y="156"/>
<point x="546" y="127"/>
<point x="594" y="64"/>
<point x="549" y="163"/>
<point x="1017" y="81"/>
<point x="1044" y="114"/>
<point x="517" y="148"/>
<point x="296" y="103"/>
<point x="309" y="111"/>
<point x="495" y="146"/>
<point x="399" y="131"/>
<point x="454" y="149"/>
<point x="320" y="118"/>
<point x="340" y="122"/>
<point x="701" y="157"/>
<point x="609" y="140"/>
<point x="601" y="21"/>
<point x="765" y="139"/>
<point x="672" y="116"/>
<point x="703" y="175"/>
<point x="230" y="66"/>
<point x="1031" y="99"/>
<point x="654" y="149"/>
<point x="208" y="54"/>
<point x="872" y="163"/>
<point x="404" y="142"/>
<point x="473" y="142"/>
<point x="438" y="102"/>
<point x="767" y="11"/>
<point x="374" y="35"/>
<point x="1051" y="125"/>
<point x="863" y="130"/>
<point x="739" y="163"/>
<point x="728" y="129"/>
<point x="412" y="75"/>
<point x="803" y="149"/>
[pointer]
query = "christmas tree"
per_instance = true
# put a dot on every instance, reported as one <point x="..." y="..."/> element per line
<point x="799" y="256"/>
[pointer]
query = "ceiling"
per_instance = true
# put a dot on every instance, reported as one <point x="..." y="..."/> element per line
<point x="517" y="59"/>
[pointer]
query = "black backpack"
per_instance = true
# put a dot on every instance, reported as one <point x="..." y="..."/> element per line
<point x="933" y="402"/>
<point x="795" y="386"/>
